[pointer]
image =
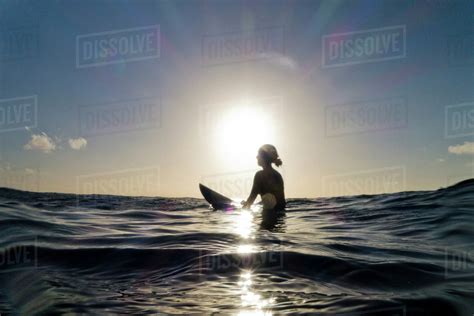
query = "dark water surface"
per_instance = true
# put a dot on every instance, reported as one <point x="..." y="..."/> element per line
<point x="395" y="254"/>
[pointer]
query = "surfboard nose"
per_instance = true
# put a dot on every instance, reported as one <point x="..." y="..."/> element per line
<point x="214" y="198"/>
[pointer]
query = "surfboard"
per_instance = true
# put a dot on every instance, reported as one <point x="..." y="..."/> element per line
<point x="217" y="200"/>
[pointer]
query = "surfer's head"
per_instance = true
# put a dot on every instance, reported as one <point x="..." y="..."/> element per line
<point x="267" y="154"/>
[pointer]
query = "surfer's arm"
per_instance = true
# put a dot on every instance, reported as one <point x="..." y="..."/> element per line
<point x="253" y="193"/>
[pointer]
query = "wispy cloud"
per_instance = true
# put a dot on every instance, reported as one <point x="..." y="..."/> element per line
<point x="280" y="60"/>
<point x="41" y="142"/>
<point x="30" y="171"/>
<point x="77" y="143"/>
<point x="462" y="149"/>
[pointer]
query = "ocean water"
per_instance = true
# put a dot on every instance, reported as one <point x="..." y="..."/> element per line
<point x="395" y="254"/>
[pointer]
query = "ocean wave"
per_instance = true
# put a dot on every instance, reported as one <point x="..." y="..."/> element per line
<point x="405" y="253"/>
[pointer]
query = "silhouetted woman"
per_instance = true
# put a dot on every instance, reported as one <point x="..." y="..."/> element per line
<point x="268" y="182"/>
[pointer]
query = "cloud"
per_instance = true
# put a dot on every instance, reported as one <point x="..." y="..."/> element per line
<point x="77" y="143"/>
<point x="30" y="171"/>
<point x="280" y="60"/>
<point x="465" y="149"/>
<point x="41" y="142"/>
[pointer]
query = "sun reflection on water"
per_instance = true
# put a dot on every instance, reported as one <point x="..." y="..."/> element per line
<point x="243" y="224"/>
<point x="251" y="302"/>
<point x="246" y="249"/>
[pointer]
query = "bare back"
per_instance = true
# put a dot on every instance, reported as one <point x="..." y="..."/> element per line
<point x="269" y="181"/>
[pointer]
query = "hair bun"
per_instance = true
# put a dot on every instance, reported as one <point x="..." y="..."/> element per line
<point x="278" y="162"/>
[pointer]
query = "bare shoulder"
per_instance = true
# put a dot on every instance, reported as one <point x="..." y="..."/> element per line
<point x="277" y="173"/>
<point x="258" y="174"/>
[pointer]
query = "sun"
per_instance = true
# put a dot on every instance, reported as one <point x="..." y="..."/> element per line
<point x="241" y="130"/>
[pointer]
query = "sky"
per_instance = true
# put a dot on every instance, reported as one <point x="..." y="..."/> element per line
<point x="153" y="97"/>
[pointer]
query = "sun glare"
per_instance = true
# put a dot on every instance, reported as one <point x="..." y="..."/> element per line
<point x="242" y="130"/>
<point x="243" y="225"/>
<point x="252" y="302"/>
